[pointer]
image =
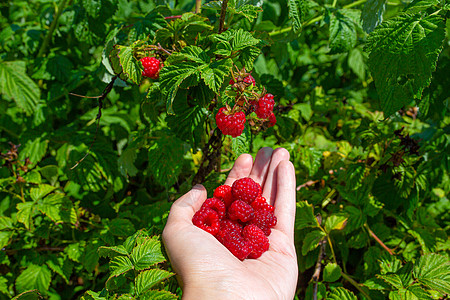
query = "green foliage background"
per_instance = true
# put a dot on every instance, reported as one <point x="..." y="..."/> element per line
<point x="362" y="99"/>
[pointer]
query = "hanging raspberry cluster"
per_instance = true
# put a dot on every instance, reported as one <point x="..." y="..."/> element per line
<point x="239" y="217"/>
<point x="231" y="120"/>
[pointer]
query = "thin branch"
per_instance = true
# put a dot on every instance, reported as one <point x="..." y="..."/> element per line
<point x="372" y="234"/>
<point x="223" y="13"/>
<point x="211" y="156"/>
<point x="198" y="6"/>
<point x="49" y="35"/>
<point x="318" y="268"/>
<point x="105" y="93"/>
<point x="172" y="17"/>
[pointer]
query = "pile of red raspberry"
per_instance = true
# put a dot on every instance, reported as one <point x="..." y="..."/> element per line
<point x="151" y="65"/>
<point x="239" y="217"/>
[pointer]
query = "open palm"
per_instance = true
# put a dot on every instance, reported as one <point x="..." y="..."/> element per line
<point x="207" y="270"/>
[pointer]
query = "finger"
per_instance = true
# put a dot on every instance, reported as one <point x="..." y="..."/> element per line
<point x="261" y="165"/>
<point x="285" y="198"/>
<point x="185" y="207"/>
<point x="242" y="168"/>
<point x="269" y="191"/>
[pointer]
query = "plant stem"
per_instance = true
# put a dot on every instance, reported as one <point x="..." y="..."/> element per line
<point x="318" y="268"/>
<point x="223" y="13"/>
<point x="355" y="284"/>
<point x="372" y="234"/>
<point x="334" y="3"/>
<point x="198" y="6"/>
<point x="48" y="38"/>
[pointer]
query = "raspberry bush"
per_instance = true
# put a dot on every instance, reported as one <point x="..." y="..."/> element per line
<point x="110" y="110"/>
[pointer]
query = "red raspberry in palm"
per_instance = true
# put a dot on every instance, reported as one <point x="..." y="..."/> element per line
<point x="258" y="241"/>
<point x="246" y="189"/>
<point x="265" y="220"/>
<point x="215" y="204"/>
<point x="151" y="65"/>
<point x="223" y="192"/>
<point x="239" y="210"/>
<point x="265" y="106"/>
<point x="261" y="203"/>
<point x="207" y="219"/>
<point x="230" y="123"/>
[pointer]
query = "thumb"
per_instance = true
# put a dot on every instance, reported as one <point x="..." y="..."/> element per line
<point x="185" y="207"/>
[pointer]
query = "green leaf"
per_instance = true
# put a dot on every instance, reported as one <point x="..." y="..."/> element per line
<point x="147" y="254"/>
<point x="126" y="162"/>
<point x="34" y="150"/>
<point x="90" y="256"/>
<point x="113" y="251"/>
<point x="331" y="272"/>
<point x="248" y="56"/>
<point x="433" y="271"/>
<point x="241" y="144"/>
<point x="305" y="216"/>
<point x="311" y="241"/>
<point x="170" y="150"/>
<point x="43" y="190"/>
<point x="58" y="208"/>
<point x="158" y="295"/>
<point x="341" y="294"/>
<point x="34" y="277"/>
<point x="355" y="174"/>
<point x="130" y="65"/>
<point x="6" y="223"/>
<point x="356" y="63"/>
<point x="241" y="39"/>
<point x="28" y="295"/>
<point x="61" y="266"/>
<point x="372" y="14"/>
<point x="403" y="55"/>
<point x="421" y="5"/>
<point x="25" y="212"/>
<point x="121" y="227"/>
<point x="248" y="11"/>
<point x="335" y="222"/>
<point x="392" y="279"/>
<point x="15" y="83"/>
<point x="343" y="24"/>
<point x="147" y="279"/>
<point x="297" y="12"/>
<point x="390" y="265"/>
<point x="120" y="265"/>
<point x="5" y="237"/>
<point x="216" y="72"/>
<point x="4" y="285"/>
<point x="171" y="77"/>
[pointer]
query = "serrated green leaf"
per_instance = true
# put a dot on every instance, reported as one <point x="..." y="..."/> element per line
<point x="297" y="12"/>
<point x="421" y="5"/>
<point x="25" y="212"/>
<point x="61" y="266"/>
<point x="355" y="174"/>
<point x="311" y="241"/>
<point x="130" y="65"/>
<point x="114" y="62"/>
<point x="403" y="55"/>
<point x="392" y="279"/>
<point x="335" y="222"/>
<point x="305" y="216"/>
<point x="34" y="150"/>
<point x="390" y="265"/>
<point x="216" y="72"/>
<point x="147" y="279"/>
<point x="433" y="271"/>
<point x="372" y="14"/>
<point x="3" y="285"/>
<point x="121" y="227"/>
<point x="341" y="294"/>
<point x="91" y="295"/>
<point x="171" y="77"/>
<point x="58" y="208"/>
<point x="120" y="265"/>
<point x="170" y="150"/>
<point x="5" y="237"/>
<point x="113" y="251"/>
<point x="6" y="223"/>
<point x="377" y="284"/>
<point x="241" y="39"/>
<point x="331" y="272"/>
<point x="158" y="295"/>
<point x="343" y="24"/>
<point x="126" y="162"/>
<point x="39" y="193"/>
<point x="241" y="144"/>
<point x="15" y="83"/>
<point x="147" y="254"/>
<point x="250" y="12"/>
<point x="28" y="295"/>
<point x="34" y="277"/>
<point x="248" y="56"/>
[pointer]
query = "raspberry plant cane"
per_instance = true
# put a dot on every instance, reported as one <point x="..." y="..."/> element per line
<point x="207" y="270"/>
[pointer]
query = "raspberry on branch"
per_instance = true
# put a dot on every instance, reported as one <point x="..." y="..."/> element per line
<point x="230" y="123"/>
<point x="151" y="65"/>
<point x="249" y="79"/>
<point x="265" y="106"/>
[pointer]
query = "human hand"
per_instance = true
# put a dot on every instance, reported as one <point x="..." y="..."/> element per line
<point x="207" y="270"/>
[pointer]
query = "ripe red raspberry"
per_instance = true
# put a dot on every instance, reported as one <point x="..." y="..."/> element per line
<point x="237" y="245"/>
<point x="223" y="192"/>
<point x="249" y="79"/>
<point x="207" y="219"/>
<point x="246" y="189"/>
<point x="239" y="210"/>
<point x="261" y="203"/>
<point x="265" y="106"/>
<point x="226" y="228"/>
<point x="151" y="67"/>
<point x="230" y="124"/>
<point x="264" y="220"/>
<point x="215" y="204"/>
<point x="258" y="241"/>
<point x="272" y="120"/>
